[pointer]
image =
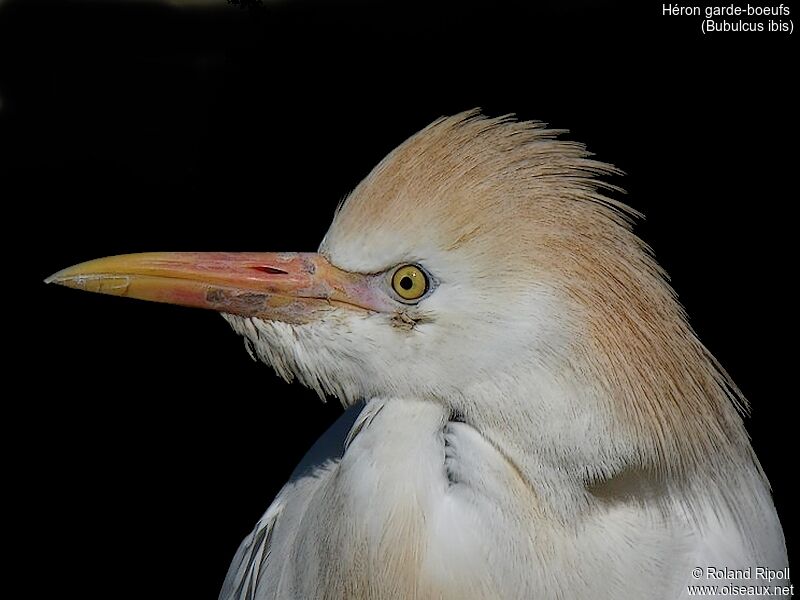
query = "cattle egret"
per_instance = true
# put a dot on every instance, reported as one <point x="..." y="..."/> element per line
<point x="534" y="416"/>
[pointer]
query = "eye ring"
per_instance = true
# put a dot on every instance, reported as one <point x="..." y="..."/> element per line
<point x="410" y="283"/>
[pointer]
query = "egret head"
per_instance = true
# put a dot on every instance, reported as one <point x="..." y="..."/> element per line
<point x="480" y="265"/>
<point x="464" y="235"/>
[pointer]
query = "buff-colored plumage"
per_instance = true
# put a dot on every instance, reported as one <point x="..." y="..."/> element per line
<point x="511" y="197"/>
<point x="544" y="424"/>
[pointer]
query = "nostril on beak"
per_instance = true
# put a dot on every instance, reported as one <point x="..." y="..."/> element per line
<point x="270" y="270"/>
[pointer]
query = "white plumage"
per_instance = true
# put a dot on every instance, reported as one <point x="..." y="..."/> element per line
<point x="540" y="423"/>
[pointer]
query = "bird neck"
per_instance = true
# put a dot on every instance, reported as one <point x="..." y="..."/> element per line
<point x="420" y="502"/>
<point x="557" y="428"/>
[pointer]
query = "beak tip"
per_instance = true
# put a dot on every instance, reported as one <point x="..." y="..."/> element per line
<point x="54" y="278"/>
<point x="62" y="277"/>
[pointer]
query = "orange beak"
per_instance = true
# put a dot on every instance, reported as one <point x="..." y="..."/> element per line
<point x="290" y="287"/>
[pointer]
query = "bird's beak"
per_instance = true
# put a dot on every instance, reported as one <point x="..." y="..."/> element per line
<point x="290" y="287"/>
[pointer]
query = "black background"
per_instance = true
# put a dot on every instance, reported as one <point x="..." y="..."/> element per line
<point x="143" y="442"/>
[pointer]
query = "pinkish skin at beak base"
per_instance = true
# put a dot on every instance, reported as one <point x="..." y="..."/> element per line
<point x="281" y="286"/>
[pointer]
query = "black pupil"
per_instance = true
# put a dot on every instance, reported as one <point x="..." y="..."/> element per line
<point x="406" y="283"/>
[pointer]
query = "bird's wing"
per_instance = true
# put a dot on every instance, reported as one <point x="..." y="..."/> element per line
<point x="264" y="567"/>
<point x="243" y="581"/>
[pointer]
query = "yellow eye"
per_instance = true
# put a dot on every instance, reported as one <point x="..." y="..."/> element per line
<point x="410" y="282"/>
